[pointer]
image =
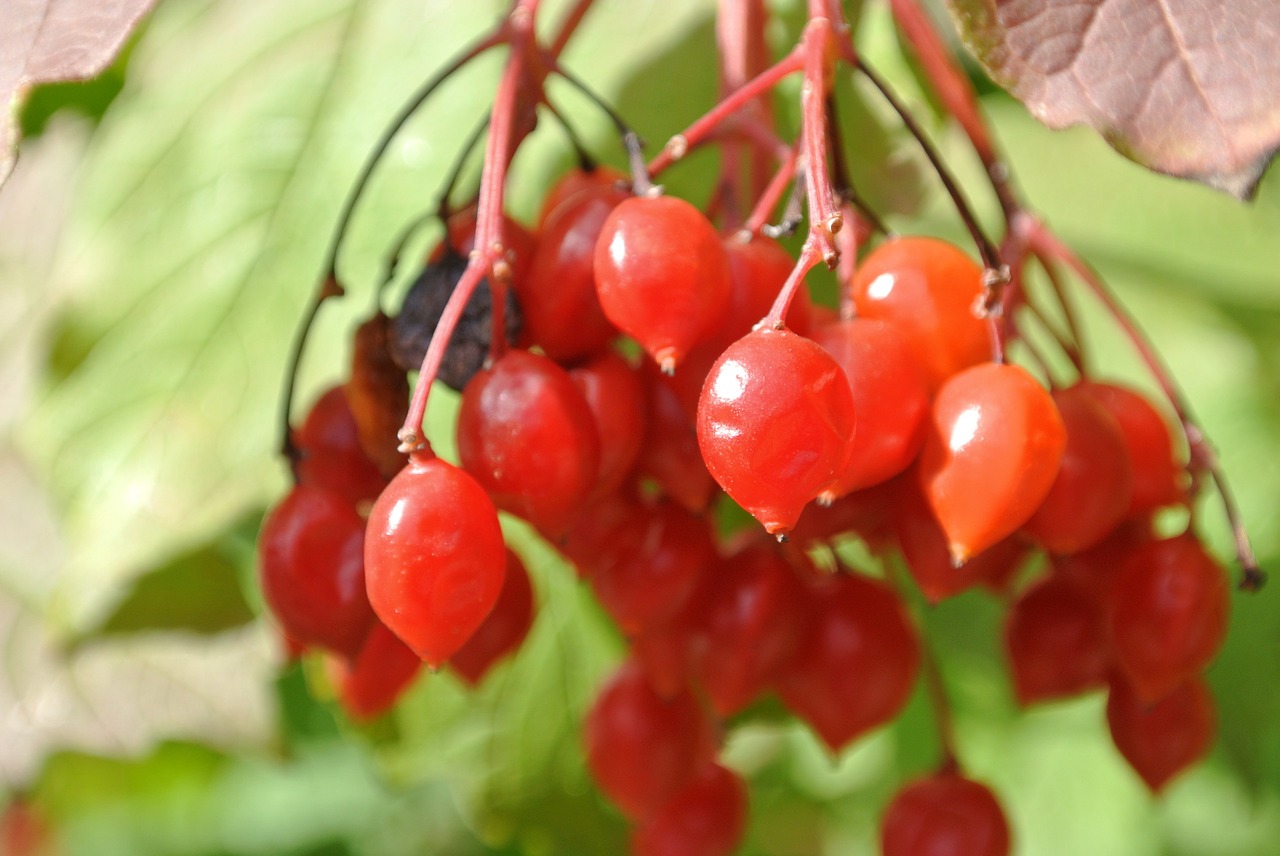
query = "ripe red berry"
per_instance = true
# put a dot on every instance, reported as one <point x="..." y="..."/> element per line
<point x="503" y="629"/>
<point x="1169" y="610"/>
<point x="527" y="435"/>
<point x="752" y="611"/>
<point x="1094" y="486"/>
<point x="1158" y="477"/>
<point x="1056" y="641"/>
<point x="774" y="424"/>
<point x="944" y="815"/>
<point x="704" y="818"/>
<point x="558" y="298"/>
<point x="615" y="393"/>
<point x="891" y="394"/>
<point x="991" y="456"/>
<point x="332" y="456"/>
<point x="311" y="556"/>
<point x="929" y="290"/>
<point x="758" y="268"/>
<point x="370" y="685"/>
<point x="670" y="454"/>
<point x="1162" y="738"/>
<point x="661" y="275"/>
<point x="434" y="557"/>
<point x="856" y="661"/>
<point x="574" y="182"/>
<point x="643" y="749"/>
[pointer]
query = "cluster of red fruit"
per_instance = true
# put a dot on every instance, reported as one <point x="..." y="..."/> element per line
<point x="888" y="421"/>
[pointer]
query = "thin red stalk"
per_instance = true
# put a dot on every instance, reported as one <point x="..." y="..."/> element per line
<point x="1073" y="349"/>
<point x="772" y="194"/>
<point x="847" y="243"/>
<point x="824" y="214"/>
<point x="568" y="26"/>
<point x="810" y="255"/>
<point x="1072" y="353"/>
<point x="1202" y="455"/>
<point x="695" y="134"/>
<point x="489" y="254"/>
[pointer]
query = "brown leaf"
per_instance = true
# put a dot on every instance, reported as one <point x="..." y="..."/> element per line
<point x="43" y="41"/>
<point x="1186" y="87"/>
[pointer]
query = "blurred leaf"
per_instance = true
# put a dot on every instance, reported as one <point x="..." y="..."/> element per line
<point x="198" y="591"/>
<point x="50" y="40"/>
<point x="1185" y="89"/>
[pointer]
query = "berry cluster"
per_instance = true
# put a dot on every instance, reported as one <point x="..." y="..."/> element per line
<point x="633" y="369"/>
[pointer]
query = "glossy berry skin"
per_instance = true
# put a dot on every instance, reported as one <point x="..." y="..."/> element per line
<point x="758" y="268"/>
<point x="992" y="453"/>
<point x="434" y="557"/>
<point x="1055" y="637"/>
<point x="705" y="818"/>
<point x="641" y="749"/>
<point x="527" y="435"/>
<point x="928" y="290"/>
<point x="892" y="396"/>
<point x="1093" y="490"/>
<point x="311" y="560"/>
<point x="615" y="393"/>
<point x="562" y="312"/>
<point x="661" y="275"/>
<point x="331" y="453"/>
<point x="503" y="629"/>
<point x="774" y="424"/>
<point x="1161" y="739"/>
<point x="856" y="661"/>
<point x="1169" y="611"/>
<point x="944" y="815"/>
<point x="1158" y="477"/>
<point x="370" y="685"/>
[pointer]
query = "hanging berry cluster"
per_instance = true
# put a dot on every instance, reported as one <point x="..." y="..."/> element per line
<point x="632" y="365"/>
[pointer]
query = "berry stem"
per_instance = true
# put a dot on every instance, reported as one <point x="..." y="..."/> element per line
<point x="490" y="254"/>
<point x="824" y="215"/>
<point x="568" y="27"/>
<point x="772" y="194"/>
<point x="931" y="674"/>
<point x="810" y="255"/>
<point x="1203" y="458"/>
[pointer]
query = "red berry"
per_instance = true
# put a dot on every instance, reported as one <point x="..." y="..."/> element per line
<point x="1169" y="610"/>
<point x="311" y="554"/>
<point x="891" y="395"/>
<point x="371" y="684"/>
<point x="774" y="424"/>
<point x="661" y="275"/>
<point x="856" y="661"/>
<point x="1056" y="640"/>
<point x="670" y="454"/>
<point x="1158" y="477"/>
<point x="704" y="818"/>
<point x="643" y="749"/>
<point x="1094" y="486"/>
<point x="651" y="565"/>
<point x="615" y="394"/>
<point x="1162" y="738"/>
<point x="574" y="182"/>
<point x="758" y="268"/>
<point x="944" y="815"/>
<point x="562" y="312"/>
<point x="929" y="290"/>
<point x="331" y="454"/>
<point x="527" y="435"/>
<point x="434" y="557"/>
<point x="753" y="609"/>
<point x="503" y="629"/>
<point x="992" y="454"/>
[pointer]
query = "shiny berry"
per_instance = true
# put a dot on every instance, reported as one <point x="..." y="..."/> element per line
<point x="1056" y="641"/>
<point x="370" y="685"/>
<point x="1160" y="739"/>
<point x="503" y="629"/>
<point x="434" y="558"/>
<point x="774" y="424"/>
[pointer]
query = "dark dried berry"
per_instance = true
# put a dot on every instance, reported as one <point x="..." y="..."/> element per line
<point x="424" y="303"/>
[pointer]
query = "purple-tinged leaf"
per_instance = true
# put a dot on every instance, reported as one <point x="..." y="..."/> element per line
<point x="44" y="41"/>
<point x="1185" y="87"/>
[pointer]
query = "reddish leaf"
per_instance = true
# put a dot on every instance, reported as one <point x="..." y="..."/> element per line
<point x="1185" y="87"/>
<point x="43" y="41"/>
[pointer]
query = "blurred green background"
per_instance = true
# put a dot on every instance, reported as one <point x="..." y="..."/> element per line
<point x="158" y="242"/>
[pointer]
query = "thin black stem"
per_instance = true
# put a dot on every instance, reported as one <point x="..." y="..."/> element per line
<point x="444" y="209"/>
<point x="631" y="142"/>
<point x="585" y="161"/>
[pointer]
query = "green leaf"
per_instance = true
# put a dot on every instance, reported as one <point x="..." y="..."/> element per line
<point x="199" y="590"/>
